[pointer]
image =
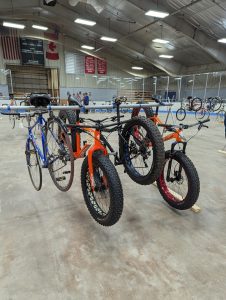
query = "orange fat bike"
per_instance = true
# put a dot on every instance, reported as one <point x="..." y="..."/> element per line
<point x="140" y="151"/>
<point x="178" y="182"/>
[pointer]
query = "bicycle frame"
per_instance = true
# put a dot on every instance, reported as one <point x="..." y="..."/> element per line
<point x="174" y="135"/>
<point x="41" y="153"/>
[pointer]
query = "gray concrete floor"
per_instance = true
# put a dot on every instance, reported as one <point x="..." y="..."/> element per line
<point x="51" y="248"/>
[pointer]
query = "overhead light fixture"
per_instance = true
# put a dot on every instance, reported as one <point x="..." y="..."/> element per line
<point x="177" y="78"/>
<point x="108" y="39"/>
<point x="50" y="2"/>
<point x="87" y="47"/>
<point x="165" y="56"/>
<point x="157" y="14"/>
<point x="137" y="68"/>
<point x="39" y="27"/>
<point x="160" y="41"/>
<point x="223" y="40"/>
<point x="85" y="22"/>
<point x="190" y="80"/>
<point x="13" y="25"/>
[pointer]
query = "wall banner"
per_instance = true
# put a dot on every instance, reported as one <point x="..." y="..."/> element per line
<point x="102" y="66"/>
<point x="90" y="67"/>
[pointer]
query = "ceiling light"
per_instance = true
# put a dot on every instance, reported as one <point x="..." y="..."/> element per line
<point x="87" y="47"/>
<point x="177" y="78"/>
<point x="160" y="41"/>
<point x="157" y="14"/>
<point x="50" y="2"/>
<point x="13" y="25"/>
<point x="223" y="40"/>
<point x="190" y="80"/>
<point x="165" y="56"/>
<point x="137" y="68"/>
<point x="85" y="22"/>
<point x="39" y="27"/>
<point x="108" y="39"/>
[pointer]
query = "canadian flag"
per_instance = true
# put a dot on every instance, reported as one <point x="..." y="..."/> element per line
<point x="51" y="52"/>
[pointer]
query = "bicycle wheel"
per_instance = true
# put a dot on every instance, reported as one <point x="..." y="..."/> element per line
<point x="196" y="104"/>
<point x="60" y="155"/>
<point x="181" y="114"/>
<point x="216" y="103"/>
<point x="200" y="114"/>
<point x="105" y="202"/>
<point x="12" y="121"/>
<point x="33" y="165"/>
<point x="69" y="117"/>
<point x="142" y="150"/>
<point x="179" y="182"/>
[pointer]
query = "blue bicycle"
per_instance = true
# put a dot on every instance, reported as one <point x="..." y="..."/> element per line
<point x="55" y="151"/>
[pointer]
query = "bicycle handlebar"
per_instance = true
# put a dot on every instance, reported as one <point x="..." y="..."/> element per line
<point x="171" y="127"/>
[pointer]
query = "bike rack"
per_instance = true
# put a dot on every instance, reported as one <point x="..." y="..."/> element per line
<point x="67" y="107"/>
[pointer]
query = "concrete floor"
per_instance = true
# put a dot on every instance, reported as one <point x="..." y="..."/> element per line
<point x="51" y="248"/>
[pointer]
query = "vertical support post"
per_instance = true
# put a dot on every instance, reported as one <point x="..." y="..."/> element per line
<point x="193" y="86"/>
<point x="179" y="88"/>
<point x="207" y="77"/>
<point x="11" y="81"/>
<point x="167" y="88"/>
<point x="219" y="86"/>
<point x="143" y="90"/>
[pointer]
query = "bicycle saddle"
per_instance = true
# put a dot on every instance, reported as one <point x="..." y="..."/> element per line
<point x="40" y="100"/>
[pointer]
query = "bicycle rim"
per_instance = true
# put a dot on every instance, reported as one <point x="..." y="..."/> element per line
<point x="139" y="152"/>
<point x="176" y="186"/>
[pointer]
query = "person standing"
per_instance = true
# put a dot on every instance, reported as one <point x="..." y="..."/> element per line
<point x="86" y="102"/>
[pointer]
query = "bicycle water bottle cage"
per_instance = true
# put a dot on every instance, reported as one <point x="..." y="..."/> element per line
<point x="40" y="100"/>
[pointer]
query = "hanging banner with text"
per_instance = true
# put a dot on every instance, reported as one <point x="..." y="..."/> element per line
<point x="101" y="66"/>
<point x="90" y="67"/>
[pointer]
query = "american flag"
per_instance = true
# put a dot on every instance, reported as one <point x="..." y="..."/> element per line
<point x="10" y="43"/>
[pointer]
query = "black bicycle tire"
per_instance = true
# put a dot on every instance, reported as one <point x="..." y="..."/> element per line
<point x="148" y="112"/>
<point x="196" y="115"/>
<point x="115" y="188"/>
<point x="68" y="186"/>
<point x="158" y="150"/>
<point x="200" y="104"/>
<point x="193" y="183"/>
<point x="69" y="115"/>
<point x="177" y="113"/>
<point x="39" y="186"/>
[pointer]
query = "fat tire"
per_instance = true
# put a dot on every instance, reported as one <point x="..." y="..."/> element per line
<point x="193" y="183"/>
<point x="158" y="151"/>
<point x="115" y="189"/>
<point x="148" y="112"/>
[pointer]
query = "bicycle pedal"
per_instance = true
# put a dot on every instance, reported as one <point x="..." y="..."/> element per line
<point x="61" y="178"/>
<point x="66" y="172"/>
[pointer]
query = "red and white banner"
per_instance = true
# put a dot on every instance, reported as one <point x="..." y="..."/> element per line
<point x="10" y="44"/>
<point x="90" y="67"/>
<point x="102" y="66"/>
<point x="51" y="51"/>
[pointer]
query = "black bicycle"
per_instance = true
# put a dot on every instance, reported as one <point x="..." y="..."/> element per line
<point x="141" y="148"/>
